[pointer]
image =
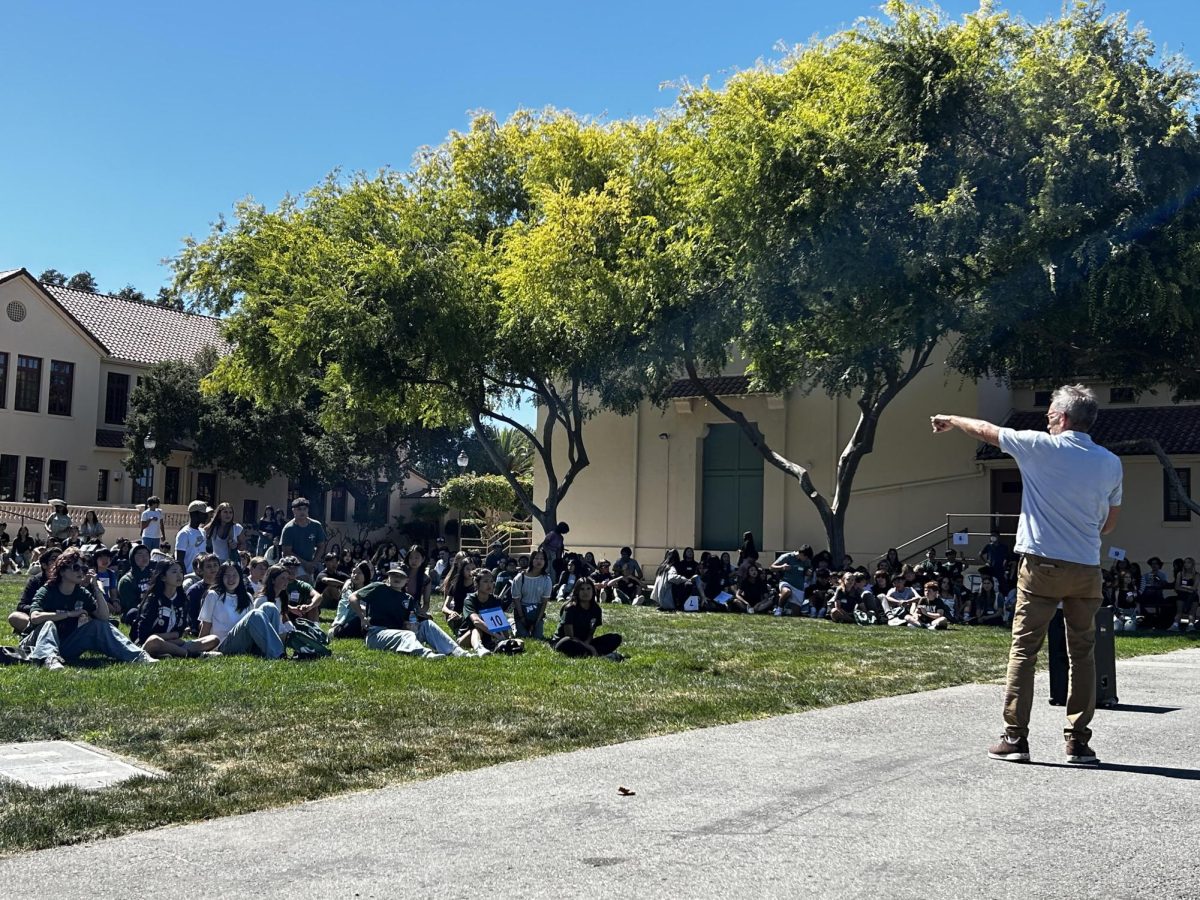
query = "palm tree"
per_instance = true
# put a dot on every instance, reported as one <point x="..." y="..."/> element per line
<point x="516" y="450"/>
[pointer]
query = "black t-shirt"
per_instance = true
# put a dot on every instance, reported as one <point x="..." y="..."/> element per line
<point x="23" y="545"/>
<point x="385" y="607"/>
<point x="753" y="591"/>
<point x="50" y="599"/>
<point x="582" y="622"/>
<point x="32" y="586"/>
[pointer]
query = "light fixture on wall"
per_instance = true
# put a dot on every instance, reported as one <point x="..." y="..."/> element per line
<point x="462" y="460"/>
<point x="117" y="475"/>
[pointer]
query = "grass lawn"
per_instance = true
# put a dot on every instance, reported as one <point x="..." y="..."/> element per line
<point x="241" y="734"/>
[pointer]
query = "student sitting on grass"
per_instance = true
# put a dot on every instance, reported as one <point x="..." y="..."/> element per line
<point x="455" y="587"/>
<point x="752" y="592"/>
<point x="346" y="621"/>
<point x="986" y="607"/>
<point x="106" y="578"/>
<point x="793" y="569"/>
<point x="626" y="585"/>
<point x="531" y="592"/>
<point x="163" y="615"/>
<point x="132" y="586"/>
<point x="897" y="601"/>
<point x="418" y="578"/>
<point x="474" y="631"/>
<point x="208" y="567"/>
<point x="929" y="611"/>
<point x="240" y="625"/>
<point x="574" y="569"/>
<point x="69" y="619"/>
<point x="390" y="616"/>
<point x="303" y="601"/>
<point x="579" y="618"/>
<point x="19" y="618"/>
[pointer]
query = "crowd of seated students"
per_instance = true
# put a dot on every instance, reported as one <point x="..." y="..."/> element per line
<point x="210" y="597"/>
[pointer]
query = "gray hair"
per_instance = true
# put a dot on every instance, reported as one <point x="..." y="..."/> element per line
<point x="1078" y="404"/>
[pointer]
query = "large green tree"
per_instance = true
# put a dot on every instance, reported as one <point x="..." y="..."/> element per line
<point x="259" y="440"/>
<point x="1002" y="187"/>
<point x="434" y="299"/>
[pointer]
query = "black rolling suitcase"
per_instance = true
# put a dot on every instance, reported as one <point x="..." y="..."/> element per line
<point x="1106" y="659"/>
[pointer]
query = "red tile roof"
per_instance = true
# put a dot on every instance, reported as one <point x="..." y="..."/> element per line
<point x="1176" y="427"/>
<point x="723" y="386"/>
<point x="140" y="332"/>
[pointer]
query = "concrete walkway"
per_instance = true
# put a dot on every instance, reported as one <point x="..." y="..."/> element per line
<point x="891" y="798"/>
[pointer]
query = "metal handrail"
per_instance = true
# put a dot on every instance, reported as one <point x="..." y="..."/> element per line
<point x="922" y="537"/>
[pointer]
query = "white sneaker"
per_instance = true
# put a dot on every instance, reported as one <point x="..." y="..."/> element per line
<point x="432" y="655"/>
<point x="778" y="611"/>
<point x="53" y="663"/>
<point x="483" y="651"/>
<point x="145" y="659"/>
<point x="1131" y="624"/>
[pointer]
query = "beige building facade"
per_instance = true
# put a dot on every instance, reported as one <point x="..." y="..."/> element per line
<point x="684" y="476"/>
<point x="68" y="362"/>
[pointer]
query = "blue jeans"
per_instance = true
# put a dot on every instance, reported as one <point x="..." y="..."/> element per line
<point x="399" y="640"/>
<point x="95" y="634"/>
<point x="524" y="624"/>
<point x="151" y="543"/>
<point x="255" y="632"/>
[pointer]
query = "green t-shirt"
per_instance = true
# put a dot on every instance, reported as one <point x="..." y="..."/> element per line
<point x="796" y="571"/>
<point x="303" y="539"/>
<point x="132" y="586"/>
<point x="299" y="593"/>
<point x="50" y="599"/>
<point x="386" y="607"/>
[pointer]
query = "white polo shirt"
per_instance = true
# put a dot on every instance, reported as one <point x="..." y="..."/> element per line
<point x="1068" y="484"/>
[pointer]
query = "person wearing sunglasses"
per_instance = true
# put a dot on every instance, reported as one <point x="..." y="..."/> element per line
<point x="70" y="619"/>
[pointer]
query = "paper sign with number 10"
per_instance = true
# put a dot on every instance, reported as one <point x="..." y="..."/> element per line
<point x="495" y="620"/>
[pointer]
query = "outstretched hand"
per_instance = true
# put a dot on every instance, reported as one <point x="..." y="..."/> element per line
<point x="940" y="423"/>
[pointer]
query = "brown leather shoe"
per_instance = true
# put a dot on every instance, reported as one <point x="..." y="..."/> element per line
<point x="1079" y="753"/>
<point x="1009" y="750"/>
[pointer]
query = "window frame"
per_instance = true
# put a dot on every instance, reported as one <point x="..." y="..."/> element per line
<point x="41" y="476"/>
<point x="138" y="493"/>
<point x="1173" y="510"/>
<point x="64" y="409"/>
<point x="16" y="477"/>
<point x="3" y="379"/>
<point x="23" y="381"/>
<point x="102" y="485"/>
<point x="109" y="419"/>
<point x="60" y="482"/>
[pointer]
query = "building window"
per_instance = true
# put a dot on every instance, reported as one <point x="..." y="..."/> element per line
<point x="29" y="384"/>
<point x="1041" y="399"/>
<point x="1122" y="395"/>
<point x="102" y="486"/>
<point x="62" y="386"/>
<point x="116" y="399"/>
<point x="57" y="486"/>
<point x="3" y="379"/>
<point x="1173" y="509"/>
<point x="171" y="486"/>
<point x="33" y="480"/>
<point x="206" y="487"/>
<point x="337" y="504"/>
<point x="250" y="512"/>
<point x="8" y="477"/>
<point x="143" y="485"/>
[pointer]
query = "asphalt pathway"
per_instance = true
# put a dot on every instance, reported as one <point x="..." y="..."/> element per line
<point x="891" y="798"/>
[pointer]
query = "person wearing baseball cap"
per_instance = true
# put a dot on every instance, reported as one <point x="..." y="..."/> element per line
<point x="391" y="619"/>
<point x="303" y="537"/>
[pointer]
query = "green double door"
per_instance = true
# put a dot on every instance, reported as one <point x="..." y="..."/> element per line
<point x="732" y="492"/>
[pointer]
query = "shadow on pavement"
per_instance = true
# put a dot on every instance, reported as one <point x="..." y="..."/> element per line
<point x="1133" y="707"/>
<point x="1161" y="771"/>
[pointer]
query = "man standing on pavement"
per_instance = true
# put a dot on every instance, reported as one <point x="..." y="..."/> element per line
<point x="1071" y="496"/>
<point x="303" y="537"/>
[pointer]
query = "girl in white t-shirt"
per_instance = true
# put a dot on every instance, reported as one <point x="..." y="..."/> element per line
<point x="152" y="524"/>
<point x="224" y="534"/>
<point x="230" y="613"/>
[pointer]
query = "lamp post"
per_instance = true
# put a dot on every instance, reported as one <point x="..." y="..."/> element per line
<point x="462" y="470"/>
<point x="149" y="443"/>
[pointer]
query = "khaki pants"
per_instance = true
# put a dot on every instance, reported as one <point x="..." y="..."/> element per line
<point x="1041" y="585"/>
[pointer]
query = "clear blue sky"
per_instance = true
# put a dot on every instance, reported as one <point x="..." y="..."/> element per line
<point x="130" y="125"/>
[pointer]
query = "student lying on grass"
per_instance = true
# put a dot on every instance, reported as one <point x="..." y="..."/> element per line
<point x="578" y="620"/>
<point x="392" y="619"/>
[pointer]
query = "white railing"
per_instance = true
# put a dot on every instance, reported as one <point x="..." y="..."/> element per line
<point x="118" y="521"/>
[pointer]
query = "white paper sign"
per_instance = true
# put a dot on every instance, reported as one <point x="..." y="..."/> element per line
<point x="961" y="539"/>
<point x="1116" y="553"/>
<point x="495" y="620"/>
